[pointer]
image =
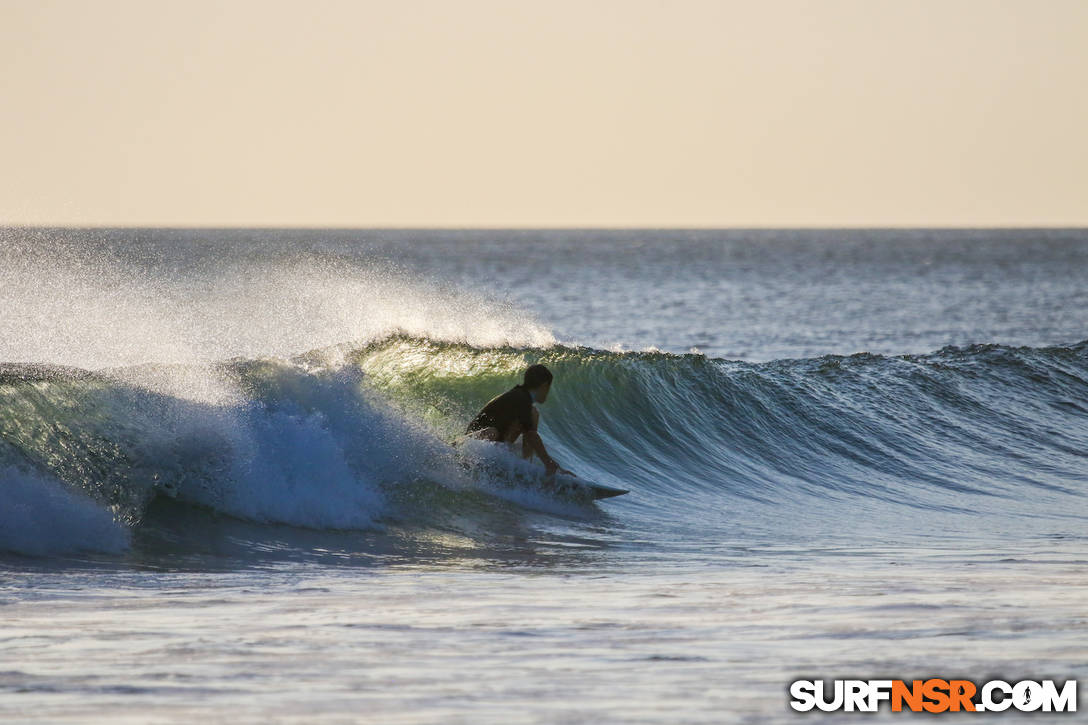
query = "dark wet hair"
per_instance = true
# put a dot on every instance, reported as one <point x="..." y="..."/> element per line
<point x="536" y="376"/>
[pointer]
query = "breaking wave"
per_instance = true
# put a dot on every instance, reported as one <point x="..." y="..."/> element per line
<point x="357" y="435"/>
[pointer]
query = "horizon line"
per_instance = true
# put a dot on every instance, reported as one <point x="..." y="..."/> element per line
<point x="791" y="227"/>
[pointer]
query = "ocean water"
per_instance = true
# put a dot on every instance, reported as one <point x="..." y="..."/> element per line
<point x="229" y="492"/>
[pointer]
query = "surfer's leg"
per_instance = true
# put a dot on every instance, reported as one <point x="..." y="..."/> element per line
<point x="512" y="439"/>
<point x="512" y="434"/>
<point x="491" y="433"/>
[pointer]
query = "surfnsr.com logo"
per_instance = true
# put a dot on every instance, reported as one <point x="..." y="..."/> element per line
<point x="933" y="695"/>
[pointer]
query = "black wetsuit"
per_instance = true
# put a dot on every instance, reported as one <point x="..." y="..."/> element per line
<point x="515" y="405"/>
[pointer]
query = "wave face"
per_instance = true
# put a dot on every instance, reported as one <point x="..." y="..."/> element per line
<point x="355" y="436"/>
<point x="956" y="429"/>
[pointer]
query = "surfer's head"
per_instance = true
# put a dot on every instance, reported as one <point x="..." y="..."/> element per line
<point x="538" y="381"/>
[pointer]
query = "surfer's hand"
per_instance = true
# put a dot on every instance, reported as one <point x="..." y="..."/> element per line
<point x="565" y="472"/>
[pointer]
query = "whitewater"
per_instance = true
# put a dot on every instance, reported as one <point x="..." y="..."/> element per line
<point x="229" y="490"/>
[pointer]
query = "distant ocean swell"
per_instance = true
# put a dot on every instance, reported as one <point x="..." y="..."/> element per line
<point x="340" y="438"/>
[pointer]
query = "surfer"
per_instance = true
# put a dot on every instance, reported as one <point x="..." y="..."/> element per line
<point x="512" y="414"/>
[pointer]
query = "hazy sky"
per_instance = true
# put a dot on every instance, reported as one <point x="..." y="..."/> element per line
<point x="544" y="113"/>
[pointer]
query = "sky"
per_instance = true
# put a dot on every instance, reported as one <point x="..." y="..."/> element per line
<point x="504" y="113"/>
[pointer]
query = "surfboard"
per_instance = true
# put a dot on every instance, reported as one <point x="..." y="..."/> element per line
<point x="561" y="485"/>
<point x="579" y="488"/>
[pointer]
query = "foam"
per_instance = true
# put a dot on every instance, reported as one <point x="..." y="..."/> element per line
<point x="501" y="472"/>
<point x="311" y="449"/>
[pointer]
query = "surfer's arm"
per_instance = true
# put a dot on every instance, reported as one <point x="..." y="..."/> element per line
<point x="536" y="445"/>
